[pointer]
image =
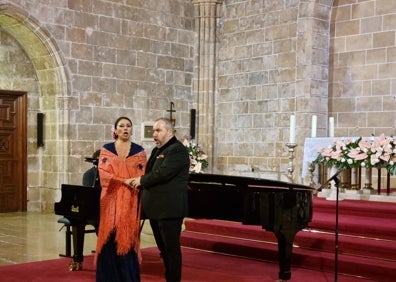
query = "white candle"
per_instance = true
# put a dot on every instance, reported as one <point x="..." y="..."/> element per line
<point x="314" y="124"/>
<point x="292" y="129"/>
<point x="331" y="127"/>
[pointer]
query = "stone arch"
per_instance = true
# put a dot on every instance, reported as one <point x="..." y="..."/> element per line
<point x="52" y="79"/>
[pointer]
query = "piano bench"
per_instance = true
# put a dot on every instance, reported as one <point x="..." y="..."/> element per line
<point x="68" y="235"/>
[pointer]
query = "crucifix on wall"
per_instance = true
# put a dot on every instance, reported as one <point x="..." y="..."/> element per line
<point x="170" y="111"/>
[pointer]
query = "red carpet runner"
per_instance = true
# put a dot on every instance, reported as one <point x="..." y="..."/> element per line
<point x="366" y="242"/>
<point x="367" y="249"/>
<point x="198" y="266"/>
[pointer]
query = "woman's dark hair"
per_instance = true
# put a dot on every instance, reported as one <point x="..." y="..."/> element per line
<point x="118" y="120"/>
<point x="115" y="136"/>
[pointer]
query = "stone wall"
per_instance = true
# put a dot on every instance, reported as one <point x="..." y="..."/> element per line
<point x="363" y="68"/>
<point x="94" y="61"/>
<point x="271" y="59"/>
<point x="277" y="58"/>
<point x="273" y="62"/>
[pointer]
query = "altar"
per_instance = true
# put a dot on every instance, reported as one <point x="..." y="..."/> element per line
<point x="311" y="146"/>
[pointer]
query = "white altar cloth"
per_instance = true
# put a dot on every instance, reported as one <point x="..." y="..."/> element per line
<point x="311" y="147"/>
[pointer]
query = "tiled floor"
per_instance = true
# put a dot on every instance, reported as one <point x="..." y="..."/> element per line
<point x="33" y="236"/>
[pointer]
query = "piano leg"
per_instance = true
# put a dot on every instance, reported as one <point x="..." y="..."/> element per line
<point x="78" y="241"/>
<point x="285" y="249"/>
<point x="78" y="231"/>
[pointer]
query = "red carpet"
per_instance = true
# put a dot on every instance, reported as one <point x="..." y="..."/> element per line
<point x="367" y="247"/>
<point x="366" y="241"/>
<point x="197" y="266"/>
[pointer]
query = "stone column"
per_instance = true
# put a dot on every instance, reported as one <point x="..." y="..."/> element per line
<point x="206" y="14"/>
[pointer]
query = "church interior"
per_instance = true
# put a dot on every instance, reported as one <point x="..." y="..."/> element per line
<point x="280" y="94"/>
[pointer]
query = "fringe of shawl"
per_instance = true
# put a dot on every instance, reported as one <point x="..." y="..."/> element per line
<point x="120" y="205"/>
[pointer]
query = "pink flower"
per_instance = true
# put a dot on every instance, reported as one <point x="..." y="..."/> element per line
<point x="357" y="154"/>
<point x="186" y="143"/>
<point x="370" y="152"/>
<point x="114" y="134"/>
<point x="198" y="158"/>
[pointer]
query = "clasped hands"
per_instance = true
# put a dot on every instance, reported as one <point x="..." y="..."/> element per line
<point x="133" y="182"/>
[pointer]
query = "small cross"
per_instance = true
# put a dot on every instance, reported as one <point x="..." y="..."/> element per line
<point x="171" y="110"/>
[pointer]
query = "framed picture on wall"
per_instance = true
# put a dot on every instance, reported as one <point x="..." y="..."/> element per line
<point x="147" y="131"/>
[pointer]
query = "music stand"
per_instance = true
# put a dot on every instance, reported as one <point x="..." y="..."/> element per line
<point x="94" y="161"/>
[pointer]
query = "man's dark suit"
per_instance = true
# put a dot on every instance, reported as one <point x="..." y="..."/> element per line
<point x="165" y="202"/>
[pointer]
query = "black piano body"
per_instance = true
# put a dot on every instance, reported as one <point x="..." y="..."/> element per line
<point x="280" y="207"/>
<point x="79" y="202"/>
<point x="80" y="205"/>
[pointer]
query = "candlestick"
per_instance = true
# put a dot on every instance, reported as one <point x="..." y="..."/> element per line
<point x="290" y="168"/>
<point x="314" y="124"/>
<point x="311" y="169"/>
<point x="331" y="127"/>
<point x="292" y="138"/>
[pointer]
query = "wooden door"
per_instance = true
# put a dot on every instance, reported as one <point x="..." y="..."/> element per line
<point x="13" y="156"/>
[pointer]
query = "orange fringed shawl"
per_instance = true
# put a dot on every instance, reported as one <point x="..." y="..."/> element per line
<point x="119" y="204"/>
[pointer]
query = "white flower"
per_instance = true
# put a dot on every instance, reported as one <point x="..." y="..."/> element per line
<point x="197" y="167"/>
<point x="198" y="158"/>
<point x="372" y="152"/>
<point x="186" y="143"/>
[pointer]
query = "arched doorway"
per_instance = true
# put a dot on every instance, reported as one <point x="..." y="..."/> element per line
<point x="46" y="166"/>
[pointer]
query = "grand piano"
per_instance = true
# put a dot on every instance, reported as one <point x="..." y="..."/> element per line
<point x="81" y="202"/>
<point x="78" y="202"/>
<point x="280" y="207"/>
<point x="79" y="207"/>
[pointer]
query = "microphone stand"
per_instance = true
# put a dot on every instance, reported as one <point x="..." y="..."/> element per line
<point x="336" y="183"/>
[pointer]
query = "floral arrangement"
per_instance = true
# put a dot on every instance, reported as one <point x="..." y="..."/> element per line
<point x="198" y="158"/>
<point x="372" y="152"/>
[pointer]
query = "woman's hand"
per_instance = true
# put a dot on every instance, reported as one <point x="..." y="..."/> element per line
<point x="128" y="182"/>
<point x="136" y="182"/>
<point x="131" y="183"/>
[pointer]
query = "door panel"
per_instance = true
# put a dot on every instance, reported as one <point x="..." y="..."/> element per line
<point x="12" y="151"/>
